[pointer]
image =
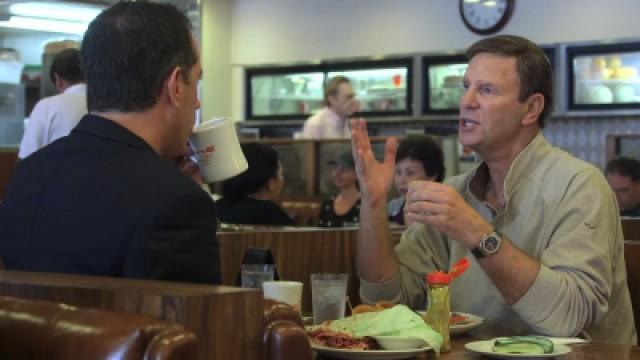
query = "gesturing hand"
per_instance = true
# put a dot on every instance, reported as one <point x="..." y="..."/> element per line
<point x="442" y="206"/>
<point x="375" y="178"/>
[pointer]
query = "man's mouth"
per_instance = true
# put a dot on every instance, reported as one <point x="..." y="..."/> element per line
<point x="468" y="123"/>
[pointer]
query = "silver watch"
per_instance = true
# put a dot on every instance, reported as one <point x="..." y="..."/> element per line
<point x="489" y="244"/>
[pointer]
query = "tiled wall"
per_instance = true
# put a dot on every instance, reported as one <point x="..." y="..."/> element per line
<point x="585" y="138"/>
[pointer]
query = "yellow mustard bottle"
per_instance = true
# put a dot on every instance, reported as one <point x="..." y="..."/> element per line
<point x="438" y="306"/>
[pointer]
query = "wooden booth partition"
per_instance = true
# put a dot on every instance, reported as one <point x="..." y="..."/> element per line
<point x="227" y="321"/>
<point x="632" y="262"/>
<point x="8" y="162"/>
<point x="298" y="252"/>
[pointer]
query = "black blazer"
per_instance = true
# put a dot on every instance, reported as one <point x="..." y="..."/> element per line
<point x="101" y="202"/>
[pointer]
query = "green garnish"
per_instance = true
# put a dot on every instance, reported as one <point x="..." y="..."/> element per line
<point x="523" y="345"/>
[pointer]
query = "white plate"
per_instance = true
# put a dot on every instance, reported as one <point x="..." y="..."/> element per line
<point x="485" y="348"/>
<point x="474" y="322"/>
<point x="368" y="354"/>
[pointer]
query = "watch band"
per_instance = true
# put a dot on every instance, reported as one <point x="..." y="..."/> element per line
<point x="478" y="253"/>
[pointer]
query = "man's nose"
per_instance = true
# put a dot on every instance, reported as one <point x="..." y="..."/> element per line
<point x="468" y="98"/>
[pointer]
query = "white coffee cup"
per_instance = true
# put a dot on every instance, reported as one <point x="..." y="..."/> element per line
<point x="288" y="292"/>
<point x="216" y="150"/>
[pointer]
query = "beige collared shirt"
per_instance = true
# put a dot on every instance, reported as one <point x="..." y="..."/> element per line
<point x="560" y="211"/>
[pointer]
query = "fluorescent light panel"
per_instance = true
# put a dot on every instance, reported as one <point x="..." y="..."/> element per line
<point x="47" y="25"/>
<point x="58" y="11"/>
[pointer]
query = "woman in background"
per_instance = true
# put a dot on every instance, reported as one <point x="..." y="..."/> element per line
<point x="343" y="209"/>
<point x="418" y="157"/>
<point x="250" y="198"/>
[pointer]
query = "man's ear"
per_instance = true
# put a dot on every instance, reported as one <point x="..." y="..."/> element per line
<point x="58" y="82"/>
<point x="535" y="105"/>
<point x="174" y="85"/>
<point x="271" y="184"/>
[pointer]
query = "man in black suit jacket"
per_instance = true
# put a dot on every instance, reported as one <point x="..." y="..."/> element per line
<point x="109" y="199"/>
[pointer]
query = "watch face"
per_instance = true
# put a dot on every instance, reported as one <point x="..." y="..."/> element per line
<point x="486" y="16"/>
<point x="491" y="244"/>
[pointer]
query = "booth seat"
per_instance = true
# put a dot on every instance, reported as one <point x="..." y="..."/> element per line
<point x="31" y="329"/>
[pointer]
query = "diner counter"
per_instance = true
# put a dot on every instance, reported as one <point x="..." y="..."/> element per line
<point x="590" y="351"/>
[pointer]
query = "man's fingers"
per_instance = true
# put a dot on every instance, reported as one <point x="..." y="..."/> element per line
<point x="390" y="147"/>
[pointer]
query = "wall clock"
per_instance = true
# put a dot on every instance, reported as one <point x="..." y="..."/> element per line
<point x="486" y="16"/>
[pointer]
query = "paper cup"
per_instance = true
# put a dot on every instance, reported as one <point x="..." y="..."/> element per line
<point x="288" y="292"/>
<point x="217" y="151"/>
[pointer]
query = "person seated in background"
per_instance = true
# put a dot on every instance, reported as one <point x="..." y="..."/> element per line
<point x="251" y="197"/>
<point x="54" y="117"/>
<point x="332" y="120"/>
<point x="108" y="199"/>
<point x="418" y="157"/>
<point x="344" y="208"/>
<point x="623" y="175"/>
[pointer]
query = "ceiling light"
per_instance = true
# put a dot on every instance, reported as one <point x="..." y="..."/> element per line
<point x="56" y="10"/>
<point x="47" y="25"/>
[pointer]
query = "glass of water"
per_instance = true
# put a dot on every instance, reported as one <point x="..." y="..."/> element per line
<point x="252" y="276"/>
<point x="328" y="296"/>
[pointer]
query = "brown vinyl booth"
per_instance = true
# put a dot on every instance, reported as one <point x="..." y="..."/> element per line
<point x="32" y="329"/>
<point x="230" y="323"/>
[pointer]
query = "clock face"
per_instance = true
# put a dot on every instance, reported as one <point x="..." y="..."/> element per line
<point x="486" y="16"/>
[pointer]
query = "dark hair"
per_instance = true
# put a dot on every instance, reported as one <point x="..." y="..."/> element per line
<point x="533" y="66"/>
<point x="263" y="166"/>
<point x="424" y="149"/>
<point x="129" y="50"/>
<point x="624" y="166"/>
<point x="67" y="65"/>
<point x="333" y="86"/>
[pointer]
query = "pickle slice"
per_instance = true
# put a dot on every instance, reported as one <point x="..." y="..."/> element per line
<point x="523" y="345"/>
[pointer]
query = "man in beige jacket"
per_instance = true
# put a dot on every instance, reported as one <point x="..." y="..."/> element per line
<point x="540" y="226"/>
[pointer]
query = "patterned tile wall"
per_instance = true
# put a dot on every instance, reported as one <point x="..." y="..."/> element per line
<point x="585" y="138"/>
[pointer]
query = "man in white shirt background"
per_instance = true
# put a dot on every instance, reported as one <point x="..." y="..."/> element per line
<point x="332" y="120"/>
<point x="54" y="117"/>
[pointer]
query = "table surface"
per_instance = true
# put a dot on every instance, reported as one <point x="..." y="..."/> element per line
<point x="590" y="351"/>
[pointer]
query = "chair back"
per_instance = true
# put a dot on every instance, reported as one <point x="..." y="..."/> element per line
<point x="31" y="329"/>
<point x="284" y="334"/>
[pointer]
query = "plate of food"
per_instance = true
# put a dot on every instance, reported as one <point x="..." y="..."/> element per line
<point x="530" y="347"/>
<point x="460" y="322"/>
<point x="391" y="333"/>
<point x="340" y="345"/>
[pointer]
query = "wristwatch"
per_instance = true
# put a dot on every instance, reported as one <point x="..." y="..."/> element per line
<point x="489" y="244"/>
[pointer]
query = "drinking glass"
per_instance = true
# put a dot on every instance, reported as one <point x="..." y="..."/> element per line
<point x="328" y="296"/>
<point x="253" y="276"/>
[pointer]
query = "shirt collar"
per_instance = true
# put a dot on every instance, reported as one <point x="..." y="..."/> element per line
<point x="334" y="118"/>
<point x="110" y="130"/>
<point x="519" y="171"/>
<point x="76" y="89"/>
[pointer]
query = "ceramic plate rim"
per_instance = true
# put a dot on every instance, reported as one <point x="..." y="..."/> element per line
<point x="366" y="354"/>
<point x="558" y="350"/>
